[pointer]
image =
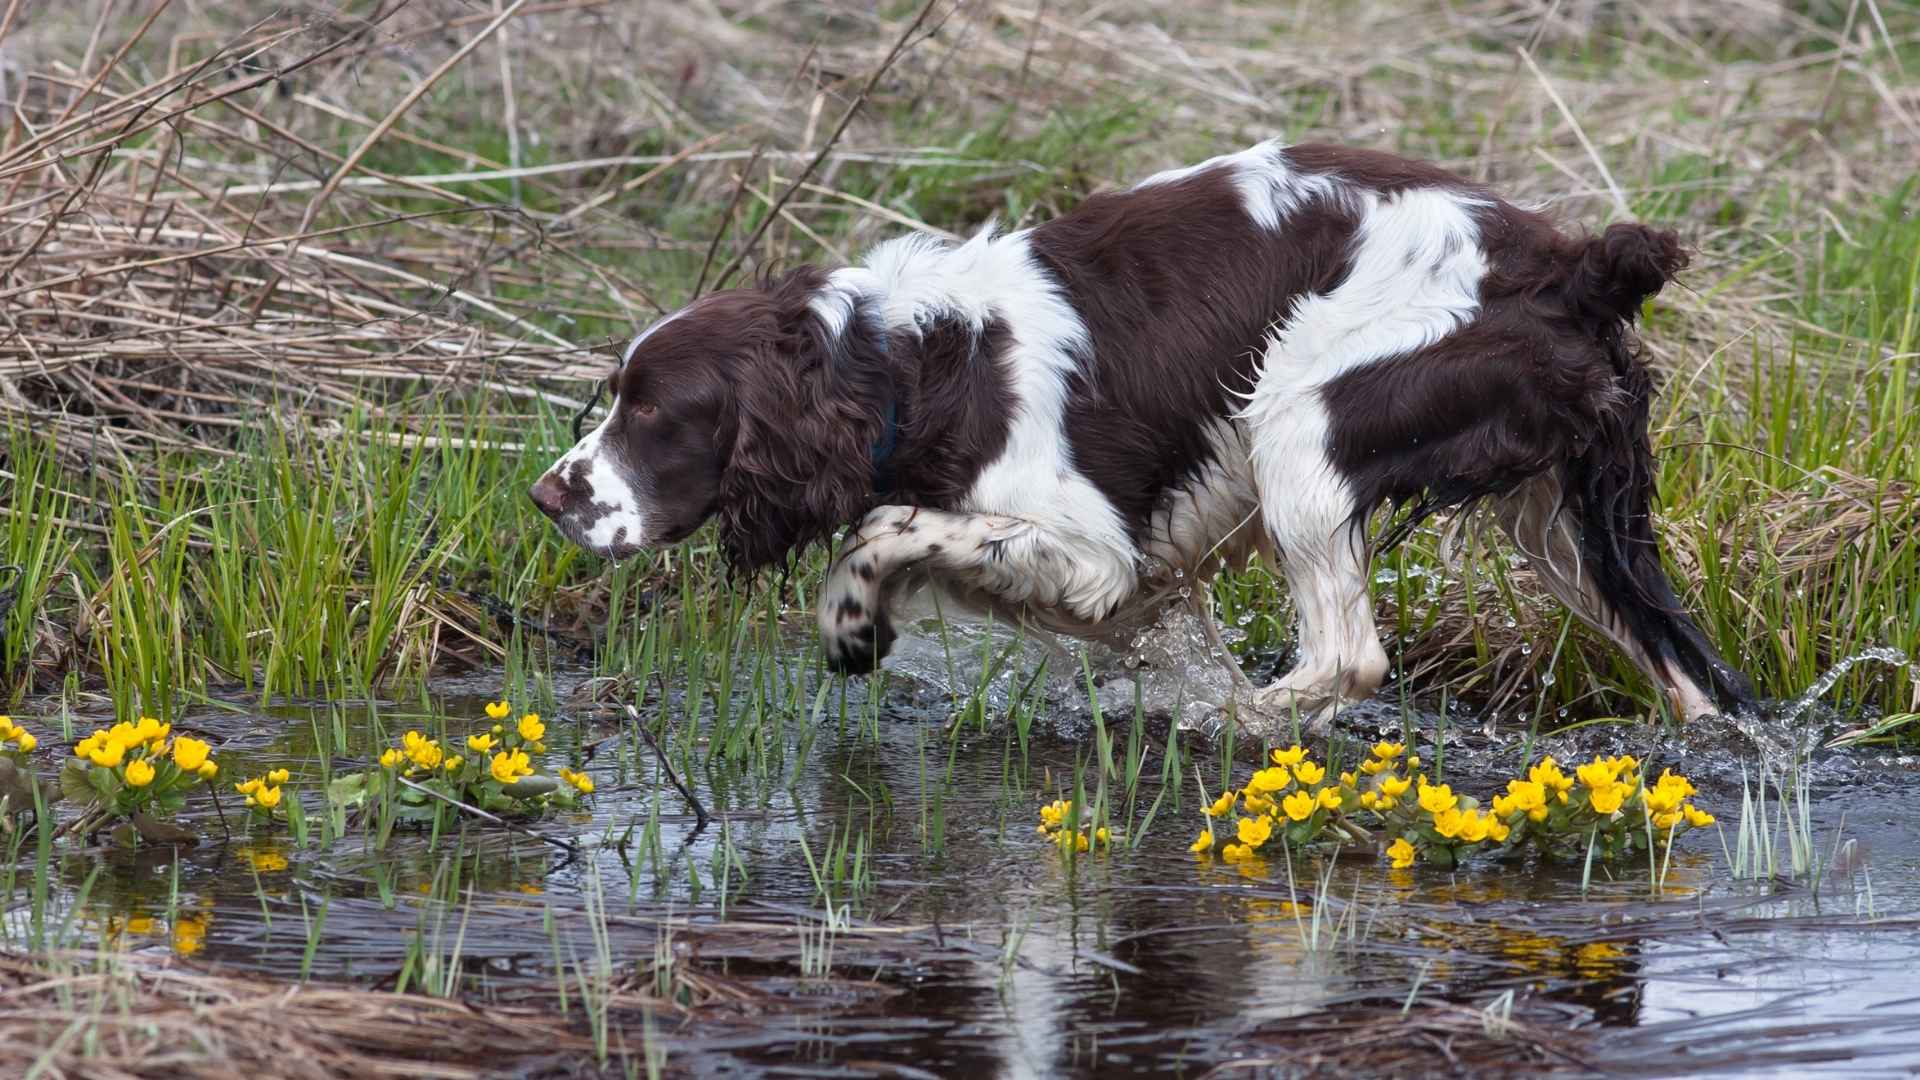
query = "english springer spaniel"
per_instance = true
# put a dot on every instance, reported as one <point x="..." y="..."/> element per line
<point x="1075" y="423"/>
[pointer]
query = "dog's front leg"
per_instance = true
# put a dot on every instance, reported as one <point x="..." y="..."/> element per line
<point x="1014" y="559"/>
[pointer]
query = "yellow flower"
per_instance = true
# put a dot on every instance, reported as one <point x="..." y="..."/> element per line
<point x="139" y="773"/>
<point x="208" y="770"/>
<point x="392" y="758"/>
<point x="479" y="744"/>
<point x="108" y="753"/>
<point x="1202" y="843"/>
<point x="1221" y="805"/>
<point x="1267" y="780"/>
<point x="1254" y="831"/>
<point x="1330" y="799"/>
<point x="1696" y="817"/>
<point x="1054" y="814"/>
<point x="1308" y="773"/>
<point x="1434" y="800"/>
<point x="1596" y="774"/>
<point x="1523" y="796"/>
<point x="1234" y="853"/>
<point x="189" y="753"/>
<point x="1413" y="761"/>
<point x="1370" y="800"/>
<point x="424" y="753"/>
<point x="452" y="764"/>
<point x="1401" y="853"/>
<point x="1449" y="822"/>
<point x="498" y="710"/>
<point x="268" y="797"/>
<point x="1257" y="804"/>
<point x="1664" y="822"/>
<point x="6" y="728"/>
<point x="1299" y="806"/>
<point x="278" y="776"/>
<point x="1347" y="779"/>
<point x="510" y="765"/>
<point x="584" y="783"/>
<point x="1473" y="826"/>
<point x="1387" y="751"/>
<point x="1670" y="779"/>
<point x="1498" y="831"/>
<point x="1662" y="800"/>
<point x="1608" y="799"/>
<point x="1395" y="786"/>
<point x="248" y="787"/>
<point x="531" y="729"/>
<point x="24" y="740"/>
<point x="1292" y="755"/>
<point x="1100" y="834"/>
<point x="1375" y="765"/>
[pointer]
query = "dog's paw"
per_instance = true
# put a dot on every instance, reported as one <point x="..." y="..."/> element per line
<point x="856" y="635"/>
<point x="1276" y="712"/>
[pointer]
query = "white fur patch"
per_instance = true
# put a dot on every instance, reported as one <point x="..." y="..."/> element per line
<point x="1270" y="187"/>
<point x="610" y="513"/>
<point x="916" y="280"/>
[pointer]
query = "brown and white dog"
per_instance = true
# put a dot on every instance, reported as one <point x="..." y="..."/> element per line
<point x="1249" y="354"/>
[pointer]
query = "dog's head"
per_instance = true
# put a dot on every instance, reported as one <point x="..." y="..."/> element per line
<point x="751" y="405"/>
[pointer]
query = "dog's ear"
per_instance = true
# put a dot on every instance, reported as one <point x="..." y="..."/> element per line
<point x="805" y="414"/>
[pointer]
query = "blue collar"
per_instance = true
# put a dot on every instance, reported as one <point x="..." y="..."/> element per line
<point x="883" y="447"/>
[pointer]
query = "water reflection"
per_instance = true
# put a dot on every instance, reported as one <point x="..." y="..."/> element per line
<point x="1009" y="958"/>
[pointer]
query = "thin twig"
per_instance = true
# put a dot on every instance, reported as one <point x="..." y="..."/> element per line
<point x="700" y="817"/>
<point x="565" y="845"/>
<point x="900" y="45"/>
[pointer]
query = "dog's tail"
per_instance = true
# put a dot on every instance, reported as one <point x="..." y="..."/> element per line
<point x="1609" y="484"/>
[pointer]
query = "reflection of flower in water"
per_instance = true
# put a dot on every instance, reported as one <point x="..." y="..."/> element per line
<point x="264" y="860"/>
<point x="190" y="932"/>
<point x="531" y="888"/>
<point x="1599" y="959"/>
<point x="1535" y="952"/>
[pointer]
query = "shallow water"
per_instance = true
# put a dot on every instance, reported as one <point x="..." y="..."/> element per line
<point x="969" y="947"/>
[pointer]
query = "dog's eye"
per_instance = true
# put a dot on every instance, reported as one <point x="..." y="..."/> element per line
<point x="645" y="408"/>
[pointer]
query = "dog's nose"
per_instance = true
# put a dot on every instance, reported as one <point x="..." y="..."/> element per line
<point x="550" y="495"/>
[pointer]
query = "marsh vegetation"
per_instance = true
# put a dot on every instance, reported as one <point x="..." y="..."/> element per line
<point x="296" y="308"/>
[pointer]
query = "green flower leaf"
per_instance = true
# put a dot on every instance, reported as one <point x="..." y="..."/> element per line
<point x="530" y="787"/>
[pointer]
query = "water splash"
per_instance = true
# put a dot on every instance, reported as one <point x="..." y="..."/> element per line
<point x="1172" y="669"/>
<point x="1883" y="654"/>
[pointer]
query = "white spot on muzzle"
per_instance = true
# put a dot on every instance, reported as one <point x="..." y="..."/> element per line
<point x="608" y="513"/>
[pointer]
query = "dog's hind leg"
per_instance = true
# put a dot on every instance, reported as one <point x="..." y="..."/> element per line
<point x="1319" y="540"/>
<point x="1011" y="559"/>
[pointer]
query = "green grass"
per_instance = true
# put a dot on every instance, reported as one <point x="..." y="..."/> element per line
<point x="333" y="559"/>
